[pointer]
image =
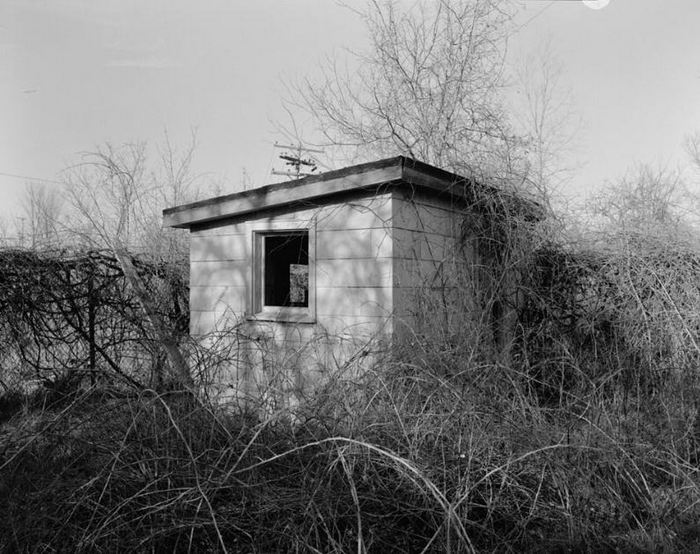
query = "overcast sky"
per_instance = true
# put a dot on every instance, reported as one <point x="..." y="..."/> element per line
<point x="77" y="73"/>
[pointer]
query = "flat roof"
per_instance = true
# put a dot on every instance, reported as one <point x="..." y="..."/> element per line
<point x="398" y="171"/>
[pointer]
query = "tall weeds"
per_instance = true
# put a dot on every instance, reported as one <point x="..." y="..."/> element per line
<point x="437" y="454"/>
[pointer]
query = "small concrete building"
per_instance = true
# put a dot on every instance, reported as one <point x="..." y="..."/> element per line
<point x="299" y="280"/>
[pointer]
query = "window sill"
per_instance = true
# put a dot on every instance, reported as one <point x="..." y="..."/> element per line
<point x="284" y="315"/>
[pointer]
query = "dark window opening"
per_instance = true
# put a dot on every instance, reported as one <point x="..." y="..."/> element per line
<point x="286" y="278"/>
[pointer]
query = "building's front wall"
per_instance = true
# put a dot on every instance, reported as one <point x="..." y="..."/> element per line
<point x="353" y="276"/>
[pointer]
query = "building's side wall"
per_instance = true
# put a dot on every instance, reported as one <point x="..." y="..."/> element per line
<point x="354" y="283"/>
<point x="435" y="271"/>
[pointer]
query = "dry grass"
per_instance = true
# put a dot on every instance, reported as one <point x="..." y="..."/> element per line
<point x="412" y="460"/>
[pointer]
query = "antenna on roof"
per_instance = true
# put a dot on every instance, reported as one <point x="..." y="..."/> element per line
<point x="293" y="156"/>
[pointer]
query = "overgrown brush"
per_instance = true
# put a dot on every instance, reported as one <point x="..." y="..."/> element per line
<point x="410" y="459"/>
<point x="73" y="311"/>
<point x="585" y="437"/>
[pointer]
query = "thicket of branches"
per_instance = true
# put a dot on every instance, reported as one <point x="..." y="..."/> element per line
<point x="66" y="317"/>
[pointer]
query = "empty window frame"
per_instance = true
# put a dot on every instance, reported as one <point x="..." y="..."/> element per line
<point x="283" y="276"/>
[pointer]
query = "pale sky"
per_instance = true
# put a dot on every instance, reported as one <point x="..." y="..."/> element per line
<point x="77" y="73"/>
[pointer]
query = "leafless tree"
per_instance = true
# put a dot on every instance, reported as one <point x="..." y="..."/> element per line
<point x="5" y="235"/>
<point x="544" y="115"/>
<point x="428" y="87"/>
<point x="646" y="202"/>
<point x="43" y="209"/>
<point x="692" y="148"/>
<point x="117" y="200"/>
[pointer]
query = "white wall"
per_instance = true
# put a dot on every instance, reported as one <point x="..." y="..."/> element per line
<point x="354" y="285"/>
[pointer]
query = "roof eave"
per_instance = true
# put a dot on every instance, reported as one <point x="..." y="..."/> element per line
<point x="280" y="195"/>
<point x="397" y="171"/>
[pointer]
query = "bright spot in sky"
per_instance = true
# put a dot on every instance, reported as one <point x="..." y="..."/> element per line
<point x="596" y="4"/>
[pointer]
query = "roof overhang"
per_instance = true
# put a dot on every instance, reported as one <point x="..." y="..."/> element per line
<point x="397" y="172"/>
